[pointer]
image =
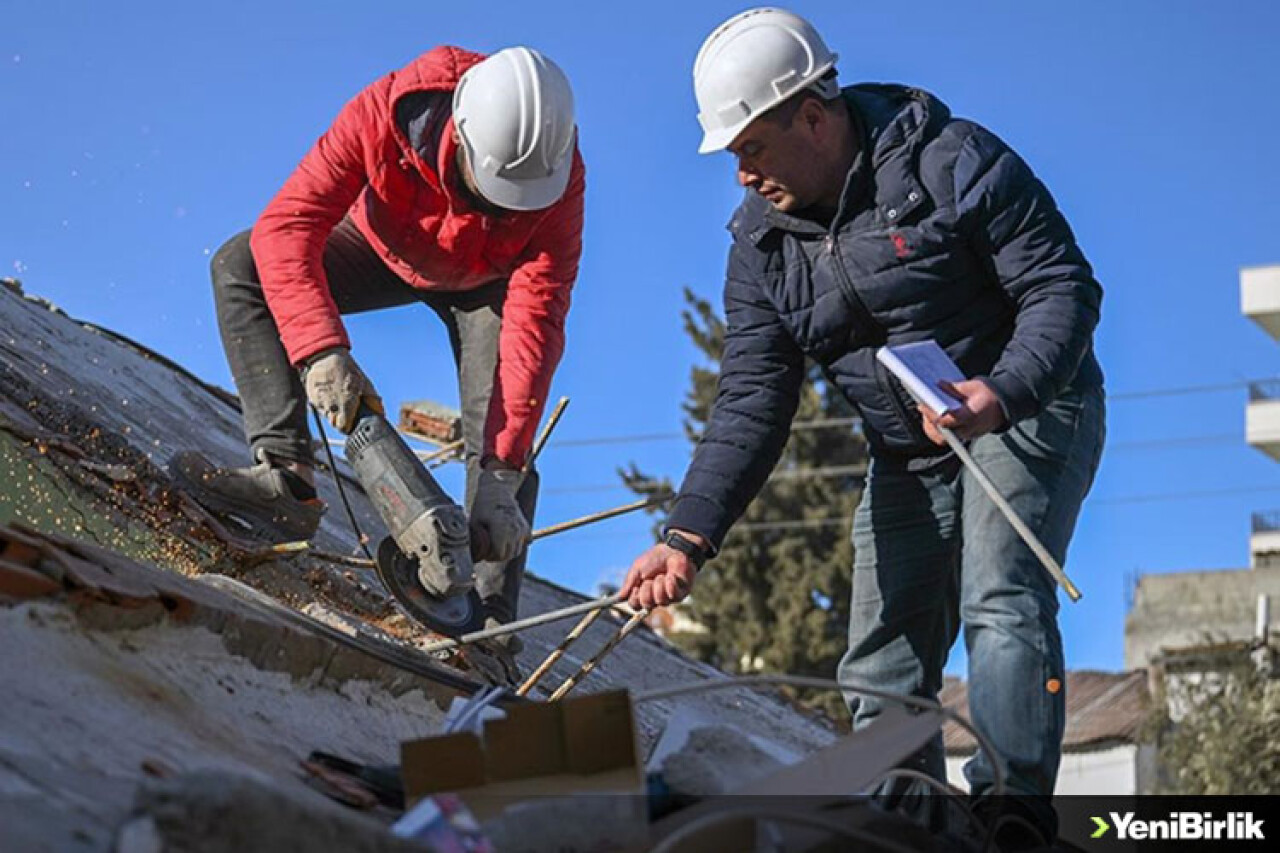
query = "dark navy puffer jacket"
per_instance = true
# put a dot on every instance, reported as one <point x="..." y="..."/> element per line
<point x="943" y="232"/>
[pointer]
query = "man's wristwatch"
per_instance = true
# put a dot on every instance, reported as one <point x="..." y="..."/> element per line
<point x="695" y="552"/>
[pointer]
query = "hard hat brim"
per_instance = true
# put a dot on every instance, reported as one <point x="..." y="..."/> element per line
<point x="718" y="140"/>
<point x="722" y="138"/>
<point x="526" y="194"/>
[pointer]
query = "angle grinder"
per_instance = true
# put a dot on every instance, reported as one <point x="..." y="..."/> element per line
<point x="425" y="562"/>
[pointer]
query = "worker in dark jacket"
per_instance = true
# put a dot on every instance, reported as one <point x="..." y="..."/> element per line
<point x="874" y="217"/>
<point x="454" y="182"/>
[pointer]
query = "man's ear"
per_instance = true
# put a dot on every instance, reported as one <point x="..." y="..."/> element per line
<point x="813" y="116"/>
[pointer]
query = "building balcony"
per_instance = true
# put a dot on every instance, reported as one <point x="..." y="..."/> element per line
<point x="1264" y="540"/>
<point x="1260" y="297"/>
<point x="1262" y="417"/>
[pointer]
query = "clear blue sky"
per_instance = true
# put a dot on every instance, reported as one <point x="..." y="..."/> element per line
<point x="138" y="136"/>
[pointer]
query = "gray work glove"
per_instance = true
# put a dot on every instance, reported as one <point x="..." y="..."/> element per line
<point x="336" y="385"/>
<point x="496" y="518"/>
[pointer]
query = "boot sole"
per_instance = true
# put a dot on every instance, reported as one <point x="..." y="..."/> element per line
<point x="236" y="512"/>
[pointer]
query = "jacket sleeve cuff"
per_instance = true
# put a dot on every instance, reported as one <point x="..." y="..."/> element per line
<point x="1015" y="398"/>
<point x="701" y="516"/>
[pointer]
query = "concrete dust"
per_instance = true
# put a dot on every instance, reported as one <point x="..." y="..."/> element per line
<point x="84" y="710"/>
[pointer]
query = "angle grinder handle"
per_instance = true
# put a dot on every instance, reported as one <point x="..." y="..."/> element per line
<point x="365" y="410"/>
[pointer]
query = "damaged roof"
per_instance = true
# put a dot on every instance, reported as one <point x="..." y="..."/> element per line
<point x="87" y="422"/>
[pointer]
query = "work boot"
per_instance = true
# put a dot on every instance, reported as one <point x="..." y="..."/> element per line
<point x="258" y="497"/>
<point x="1013" y="823"/>
<point x="495" y="658"/>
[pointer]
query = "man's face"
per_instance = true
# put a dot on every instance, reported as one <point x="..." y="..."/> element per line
<point x="466" y="184"/>
<point x="783" y="162"/>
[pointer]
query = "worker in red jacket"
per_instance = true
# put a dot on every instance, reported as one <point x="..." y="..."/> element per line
<point x="454" y="182"/>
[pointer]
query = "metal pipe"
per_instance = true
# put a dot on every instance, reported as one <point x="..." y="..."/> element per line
<point x="558" y="652"/>
<point x="603" y="515"/>
<point x="546" y="432"/>
<point x="1042" y="553"/>
<point x="441" y="452"/>
<point x="587" y="668"/>
<point x="551" y="530"/>
<point x="520" y="625"/>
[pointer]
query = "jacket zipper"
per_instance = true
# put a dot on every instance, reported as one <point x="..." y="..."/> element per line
<point x="864" y="316"/>
<point x="860" y="310"/>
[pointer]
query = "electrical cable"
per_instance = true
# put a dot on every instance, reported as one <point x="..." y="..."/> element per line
<point x="947" y="789"/>
<point x="342" y="493"/>
<point x="925" y="778"/>
<point x="804" y="681"/>
<point x="819" y="423"/>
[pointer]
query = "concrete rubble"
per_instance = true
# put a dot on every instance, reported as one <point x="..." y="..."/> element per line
<point x="214" y="811"/>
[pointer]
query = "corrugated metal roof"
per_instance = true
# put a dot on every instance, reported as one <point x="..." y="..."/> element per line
<point x="1102" y="708"/>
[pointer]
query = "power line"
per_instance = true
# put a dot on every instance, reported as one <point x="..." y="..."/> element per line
<point x="817" y="423"/>
<point x="793" y="524"/>
<point x="1188" y="389"/>
<point x="1185" y="441"/>
<point x="617" y="439"/>
<point x="845" y="521"/>
<point x="859" y="470"/>
<point x="856" y="470"/>
<point x="820" y="423"/>
<point x="1159" y="497"/>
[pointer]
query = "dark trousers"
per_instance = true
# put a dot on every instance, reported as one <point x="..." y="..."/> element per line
<point x="274" y="402"/>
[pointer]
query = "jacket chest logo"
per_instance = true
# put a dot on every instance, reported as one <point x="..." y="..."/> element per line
<point x="901" y="248"/>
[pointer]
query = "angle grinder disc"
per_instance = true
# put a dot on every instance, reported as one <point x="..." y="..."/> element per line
<point x="451" y="617"/>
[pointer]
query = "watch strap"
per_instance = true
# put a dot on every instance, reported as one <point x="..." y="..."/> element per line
<point x="695" y="552"/>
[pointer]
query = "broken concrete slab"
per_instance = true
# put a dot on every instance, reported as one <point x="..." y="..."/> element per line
<point x="85" y="710"/>
<point x="215" y="811"/>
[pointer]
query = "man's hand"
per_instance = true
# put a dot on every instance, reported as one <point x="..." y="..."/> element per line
<point x="496" y="518"/>
<point x="980" y="414"/>
<point x="335" y="386"/>
<point x="660" y="576"/>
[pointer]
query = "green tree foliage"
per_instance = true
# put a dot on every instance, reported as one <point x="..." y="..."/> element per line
<point x="1216" y="731"/>
<point x="776" y="598"/>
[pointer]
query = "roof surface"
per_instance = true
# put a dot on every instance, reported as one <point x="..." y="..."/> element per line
<point x="88" y="420"/>
<point x="1103" y="708"/>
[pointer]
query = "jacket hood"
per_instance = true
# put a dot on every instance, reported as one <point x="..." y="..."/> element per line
<point x="893" y="122"/>
<point x="439" y="69"/>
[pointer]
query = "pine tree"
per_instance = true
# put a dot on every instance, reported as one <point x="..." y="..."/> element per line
<point x="776" y="598"/>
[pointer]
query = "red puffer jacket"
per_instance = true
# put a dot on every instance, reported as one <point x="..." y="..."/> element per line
<point x="406" y="208"/>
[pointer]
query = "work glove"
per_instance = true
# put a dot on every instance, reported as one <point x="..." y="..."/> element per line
<point x="498" y="525"/>
<point x="335" y="386"/>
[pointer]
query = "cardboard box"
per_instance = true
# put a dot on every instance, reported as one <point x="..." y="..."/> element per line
<point x="584" y="745"/>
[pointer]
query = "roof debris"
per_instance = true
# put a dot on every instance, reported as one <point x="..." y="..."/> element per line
<point x="148" y="640"/>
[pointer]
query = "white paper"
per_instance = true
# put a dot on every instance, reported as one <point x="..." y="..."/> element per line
<point x="920" y="367"/>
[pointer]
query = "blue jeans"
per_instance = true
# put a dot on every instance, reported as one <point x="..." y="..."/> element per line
<point x="933" y="553"/>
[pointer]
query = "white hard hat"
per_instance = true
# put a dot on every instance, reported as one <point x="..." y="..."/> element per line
<point x="514" y="115"/>
<point x="750" y="64"/>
